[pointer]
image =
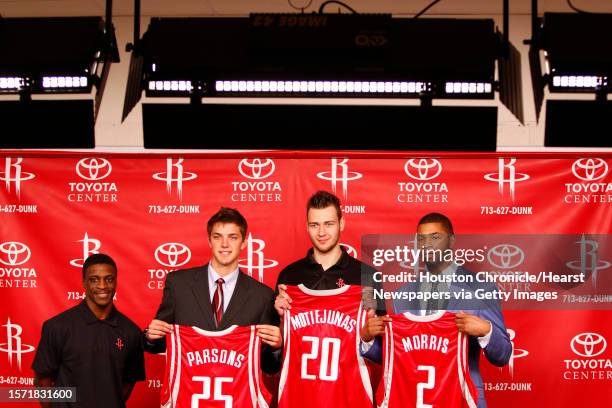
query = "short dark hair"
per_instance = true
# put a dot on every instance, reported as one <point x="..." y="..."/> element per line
<point x="228" y="215"/>
<point x="439" y="218"/>
<point x="323" y="199"/>
<point x="98" y="259"/>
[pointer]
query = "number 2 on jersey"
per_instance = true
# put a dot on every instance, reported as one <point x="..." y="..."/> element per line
<point x="429" y="385"/>
<point x="329" y="360"/>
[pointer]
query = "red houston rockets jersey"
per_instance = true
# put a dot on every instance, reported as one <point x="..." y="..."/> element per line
<point x="322" y="366"/>
<point x="425" y="363"/>
<point x="213" y="369"/>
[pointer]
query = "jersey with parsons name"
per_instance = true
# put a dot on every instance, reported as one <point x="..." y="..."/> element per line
<point x="213" y="369"/>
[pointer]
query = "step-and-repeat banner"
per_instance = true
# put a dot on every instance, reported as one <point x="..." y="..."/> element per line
<point x="149" y="213"/>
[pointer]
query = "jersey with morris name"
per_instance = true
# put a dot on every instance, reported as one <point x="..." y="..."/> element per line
<point x="425" y="363"/>
<point x="213" y="369"/>
<point x="322" y="366"/>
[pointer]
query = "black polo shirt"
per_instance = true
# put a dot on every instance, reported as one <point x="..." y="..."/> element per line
<point x="96" y="356"/>
<point x="347" y="271"/>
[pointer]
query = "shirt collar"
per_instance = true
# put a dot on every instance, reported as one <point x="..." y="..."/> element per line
<point x="91" y="318"/>
<point x="228" y="279"/>
<point x="449" y="270"/>
<point x="343" y="262"/>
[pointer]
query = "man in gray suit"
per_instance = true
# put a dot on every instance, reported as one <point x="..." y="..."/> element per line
<point x="218" y="295"/>
<point x="482" y="320"/>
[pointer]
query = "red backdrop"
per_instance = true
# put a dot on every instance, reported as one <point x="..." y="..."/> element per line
<point x="149" y="212"/>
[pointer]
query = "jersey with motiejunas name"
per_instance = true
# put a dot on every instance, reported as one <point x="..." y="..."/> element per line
<point x="322" y="366"/>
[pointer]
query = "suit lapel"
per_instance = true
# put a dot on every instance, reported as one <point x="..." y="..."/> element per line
<point x="456" y="303"/>
<point x="237" y="302"/>
<point x="405" y="305"/>
<point x="414" y="305"/>
<point x="201" y="293"/>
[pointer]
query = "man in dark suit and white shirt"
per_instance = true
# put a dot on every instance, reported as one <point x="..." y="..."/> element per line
<point x="482" y="321"/>
<point x="218" y="295"/>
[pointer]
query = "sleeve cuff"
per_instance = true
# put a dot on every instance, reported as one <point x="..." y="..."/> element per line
<point x="147" y="342"/>
<point x="366" y="345"/>
<point x="484" y="340"/>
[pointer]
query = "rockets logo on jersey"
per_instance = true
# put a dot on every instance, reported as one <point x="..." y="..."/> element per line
<point x="425" y="363"/>
<point x="322" y="366"/>
<point x="213" y="369"/>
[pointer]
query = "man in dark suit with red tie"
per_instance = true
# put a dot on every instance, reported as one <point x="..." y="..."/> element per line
<point x="218" y="295"/>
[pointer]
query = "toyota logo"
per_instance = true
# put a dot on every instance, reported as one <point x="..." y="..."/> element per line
<point x="423" y="169"/>
<point x="590" y="169"/>
<point x="93" y="169"/>
<point x="172" y="254"/>
<point x="505" y="256"/>
<point x="588" y="344"/>
<point x="256" y="169"/>
<point x="14" y="253"/>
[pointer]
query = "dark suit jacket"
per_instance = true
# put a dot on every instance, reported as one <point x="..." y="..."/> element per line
<point x="186" y="301"/>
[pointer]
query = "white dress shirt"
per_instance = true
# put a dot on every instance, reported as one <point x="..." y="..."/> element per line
<point x="228" y="286"/>
<point x="445" y="287"/>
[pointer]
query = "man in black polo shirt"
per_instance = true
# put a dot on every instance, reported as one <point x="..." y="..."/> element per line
<point x="327" y="265"/>
<point x="92" y="346"/>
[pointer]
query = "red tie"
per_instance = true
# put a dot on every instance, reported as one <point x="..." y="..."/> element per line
<point x="217" y="302"/>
